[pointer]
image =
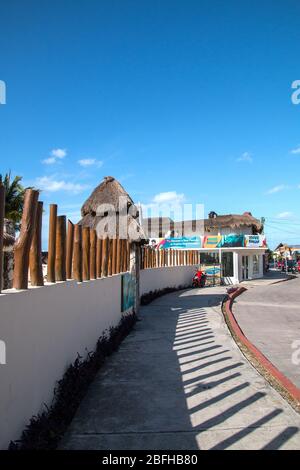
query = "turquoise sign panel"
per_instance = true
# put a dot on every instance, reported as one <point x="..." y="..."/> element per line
<point x="128" y="292"/>
<point x="181" y="243"/>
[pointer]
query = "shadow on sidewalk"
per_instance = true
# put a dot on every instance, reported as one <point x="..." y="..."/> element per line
<point x="175" y="383"/>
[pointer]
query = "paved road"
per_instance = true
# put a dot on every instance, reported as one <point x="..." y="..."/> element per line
<point x="270" y="317"/>
<point x="180" y="382"/>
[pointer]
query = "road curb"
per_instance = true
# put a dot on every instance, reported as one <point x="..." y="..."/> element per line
<point x="273" y="375"/>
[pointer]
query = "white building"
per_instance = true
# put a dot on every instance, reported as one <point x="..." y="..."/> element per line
<point x="234" y="242"/>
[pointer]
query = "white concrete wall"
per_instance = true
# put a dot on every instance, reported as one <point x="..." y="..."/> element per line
<point x="160" y="278"/>
<point x="43" y="330"/>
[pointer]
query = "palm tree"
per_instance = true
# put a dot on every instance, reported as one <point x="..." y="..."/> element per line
<point x="14" y="198"/>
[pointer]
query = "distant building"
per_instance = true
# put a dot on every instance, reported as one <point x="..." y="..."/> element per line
<point x="283" y="249"/>
<point x="236" y="242"/>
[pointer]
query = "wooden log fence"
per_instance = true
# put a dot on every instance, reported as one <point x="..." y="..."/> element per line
<point x="74" y="251"/>
<point x="153" y="258"/>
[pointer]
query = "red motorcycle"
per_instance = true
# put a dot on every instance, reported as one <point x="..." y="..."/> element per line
<point x="199" y="279"/>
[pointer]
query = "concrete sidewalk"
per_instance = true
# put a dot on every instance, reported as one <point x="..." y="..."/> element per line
<point x="180" y="382"/>
<point x="270" y="317"/>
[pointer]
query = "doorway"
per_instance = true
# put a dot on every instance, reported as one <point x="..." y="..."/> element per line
<point x="245" y="267"/>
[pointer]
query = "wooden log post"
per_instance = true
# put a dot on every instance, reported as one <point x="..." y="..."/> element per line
<point x="114" y="256"/>
<point x="77" y="253"/>
<point x="2" y="212"/>
<point x="93" y="248"/>
<point x="52" y="243"/>
<point x="122" y="242"/>
<point x="86" y="253"/>
<point x="110" y="255"/>
<point x="35" y="255"/>
<point x="70" y="247"/>
<point x="118" y="265"/>
<point x="128" y="255"/>
<point x="99" y="257"/>
<point x="125" y="257"/>
<point x="105" y="245"/>
<point x="22" y="245"/>
<point x="142" y="257"/>
<point x="61" y="248"/>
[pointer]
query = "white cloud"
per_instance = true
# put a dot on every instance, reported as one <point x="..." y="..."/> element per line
<point x="167" y="204"/>
<point x="296" y="150"/>
<point x="59" y="153"/>
<point x="277" y="189"/>
<point x="284" y="215"/>
<point x="169" y="197"/>
<point x="49" y="161"/>
<point x="55" y="154"/>
<point x="46" y="183"/>
<point x="90" y="162"/>
<point x="245" y="157"/>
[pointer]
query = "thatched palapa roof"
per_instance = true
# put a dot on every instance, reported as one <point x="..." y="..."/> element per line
<point x="158" y="226"/>
<point x="108" y="194"/>
<point x="233" y="221"/>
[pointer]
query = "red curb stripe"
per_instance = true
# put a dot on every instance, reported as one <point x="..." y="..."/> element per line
<point x="279" y="376"/>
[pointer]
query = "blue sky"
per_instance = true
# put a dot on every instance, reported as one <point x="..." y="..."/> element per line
<point x="188" y="97"/>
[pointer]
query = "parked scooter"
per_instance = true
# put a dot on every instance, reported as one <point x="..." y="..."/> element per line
<point x="199" y="279"/>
